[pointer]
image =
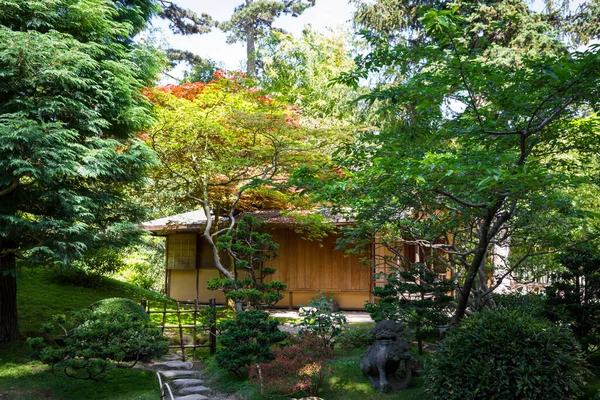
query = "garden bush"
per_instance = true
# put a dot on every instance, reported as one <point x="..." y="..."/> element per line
<point x="95" y="340"/>
<point x="573" y="299"/>
<point x="299" y="368"/>
<point x="247" y="340"/>
<point x="355" y="337"/>
<point x="117" y="305"/>
<point x="529" y="303"/>
<point x="506" y="354"/>
<point x="318" y="319"/>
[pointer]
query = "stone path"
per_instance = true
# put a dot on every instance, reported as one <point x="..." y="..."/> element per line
<point x="182" y="378"/>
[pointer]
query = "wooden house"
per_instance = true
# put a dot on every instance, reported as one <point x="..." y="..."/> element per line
<point x="307" y="267"/>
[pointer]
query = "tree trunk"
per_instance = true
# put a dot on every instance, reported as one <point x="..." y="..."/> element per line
<point x="473" y="271"/>
<point x="250" y="53"/>
<point x="9" y="328"/>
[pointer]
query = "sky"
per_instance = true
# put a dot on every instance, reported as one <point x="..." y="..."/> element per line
<point x="326" y="13"/>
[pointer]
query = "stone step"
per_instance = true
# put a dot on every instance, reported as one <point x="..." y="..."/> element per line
<point x="185" y="382"/>
<point x="172" y="357"/>
<point x="174" y="373"/>
<point x="175" y="364"/>
<point x="192" y="397"/>
<point x="194" y="390"/>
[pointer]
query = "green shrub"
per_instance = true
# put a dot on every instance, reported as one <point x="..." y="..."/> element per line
<point x="529" y="303"/>
<point x="506" y="354"/>
<point x="573" y="299"/>
<point x="112" y="333"/>
<point x="247" y="340"/>
<point x="319" y="320"/>
<point x="355" y="337"/>
<point x="117" y="305"/>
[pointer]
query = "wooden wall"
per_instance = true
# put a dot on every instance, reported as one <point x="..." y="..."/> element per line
<point x="305" y="266"/>
<point x="309" y="266"/>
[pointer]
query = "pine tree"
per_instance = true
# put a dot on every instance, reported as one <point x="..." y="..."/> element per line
<point x="250" y="20"/>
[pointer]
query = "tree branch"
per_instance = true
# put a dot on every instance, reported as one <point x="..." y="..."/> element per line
<point x="458" y="200"/>
<point x="16" y="180"/>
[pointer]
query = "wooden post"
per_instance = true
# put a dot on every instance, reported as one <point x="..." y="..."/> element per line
<point x="213" y="327"/>
<point x="181" y="333"/>
<point x="195" y="335"/>
<point x="164" y="319"/>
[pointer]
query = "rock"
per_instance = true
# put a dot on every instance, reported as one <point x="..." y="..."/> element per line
<point x="306" y="310"/>
<point x="192" y="397"/>
<point x="185" y="382"/>
<point x="310" y="398"/>
<point x="175" y="364"/>
<point x="194" y="390"/>
<point x="176" y="373"/>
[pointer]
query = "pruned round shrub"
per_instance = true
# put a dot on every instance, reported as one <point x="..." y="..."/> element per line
<point x="506" y="354"/>
<point x="120" y="306"/>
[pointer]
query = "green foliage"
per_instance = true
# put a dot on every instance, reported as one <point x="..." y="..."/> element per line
<point x="356" y="337"/>
<point x="121" y="306"/>
<point x="506" y="354"/>
<point x="113" y="331"/>
<point x="320" y="321"/>
<point x="486" y="132"/>
<point x="415" y="295"/>
<point x="299" y="71"/>
<point x="201" y="71"/>
<point x="247" y="340"/>
<point x="249" y="248"/>
<point x="22" y="378"/>
<point x="573" y="298"/>
<point x="529" y="303"/>
<point x="70" y="105"/>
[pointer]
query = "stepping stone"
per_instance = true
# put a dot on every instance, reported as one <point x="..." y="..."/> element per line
<point x="183" y="382"/>
<point x="176" y="373"/>
<point x="194" y="390"/>
<point x="192" y="397"/>
<point x="172" y="357"/>
<point x="175" y="364"/>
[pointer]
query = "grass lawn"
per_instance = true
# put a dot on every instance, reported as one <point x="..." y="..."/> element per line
<point x="41" y="294"/>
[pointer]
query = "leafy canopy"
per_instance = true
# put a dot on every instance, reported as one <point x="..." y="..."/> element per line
<point x="487" y="124"/>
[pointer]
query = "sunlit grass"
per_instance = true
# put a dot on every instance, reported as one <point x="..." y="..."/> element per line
<point x="42" y="293"/>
